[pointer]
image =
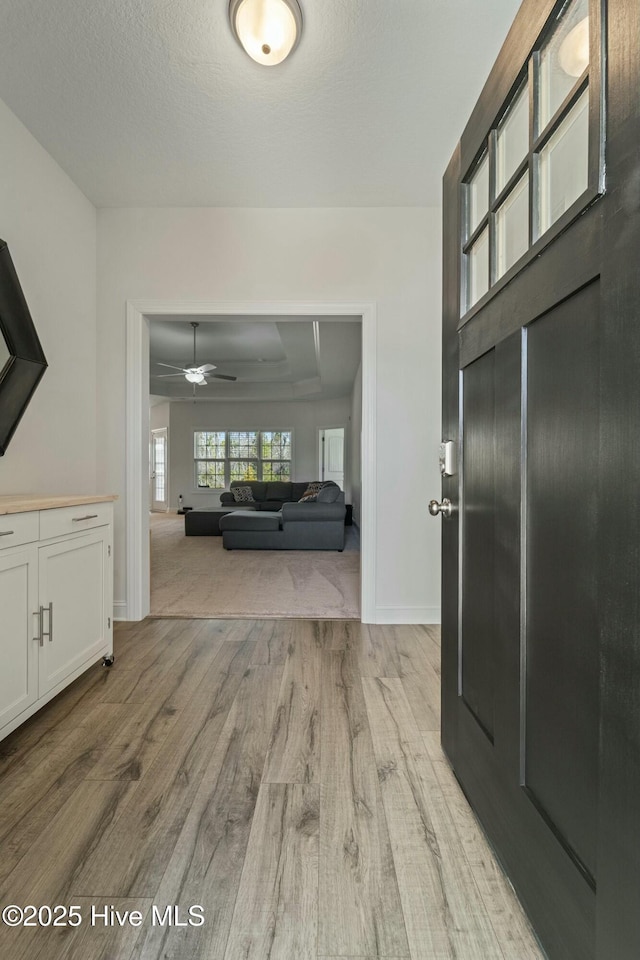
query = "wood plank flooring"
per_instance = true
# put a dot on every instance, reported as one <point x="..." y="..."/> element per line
<point x="282" y="779"/>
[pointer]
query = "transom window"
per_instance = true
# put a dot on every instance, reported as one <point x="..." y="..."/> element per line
<point x="221" y="456"/>
<point x="534" y="166"/>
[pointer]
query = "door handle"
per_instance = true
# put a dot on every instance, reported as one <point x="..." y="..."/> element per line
<point x="40" y="614"/>
<point x="445" y="508"/>
<point x="49" y="632"/>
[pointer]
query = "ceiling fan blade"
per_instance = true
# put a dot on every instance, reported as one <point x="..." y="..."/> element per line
<point x="163" y="376"/>
<point x="206" y="367"/>
<point x="171" y="366"/>
<point x="201" y="383"/>
<point x="221" y="376"/>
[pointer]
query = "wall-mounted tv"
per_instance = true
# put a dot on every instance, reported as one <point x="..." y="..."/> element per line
<point x="22" y="361"/>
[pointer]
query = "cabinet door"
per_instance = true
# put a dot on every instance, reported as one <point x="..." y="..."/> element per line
<point x="73" y="576"/>
<point x="18" y="627"/>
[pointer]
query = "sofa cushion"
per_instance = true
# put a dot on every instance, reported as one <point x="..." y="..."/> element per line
<point x="271" y="504"/>
<point x="298" y="490"/>
<point x="250" y="520"/>
<point x="278" y="490"/>
<point x="329" y="493"/>
<point x="243" y="494"/>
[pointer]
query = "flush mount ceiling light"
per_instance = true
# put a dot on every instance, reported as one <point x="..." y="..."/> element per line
<point x="574" y="50"/>
<point x="268" y="30"/>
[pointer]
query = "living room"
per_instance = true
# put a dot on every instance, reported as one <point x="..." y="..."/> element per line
<point x="282" y="402"/>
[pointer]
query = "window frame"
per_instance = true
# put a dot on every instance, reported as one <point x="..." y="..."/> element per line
<point x="227" y="460"/>
<point x="529" y="73"/>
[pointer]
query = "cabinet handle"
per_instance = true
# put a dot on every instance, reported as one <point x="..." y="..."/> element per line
<point x="49" y="632"/>
<point x="40" y="614"/>
<point x="6" y="533"/>
<point x="90" y="516"/>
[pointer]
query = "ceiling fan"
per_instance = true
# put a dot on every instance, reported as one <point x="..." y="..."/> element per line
<point x="197" y="375"/>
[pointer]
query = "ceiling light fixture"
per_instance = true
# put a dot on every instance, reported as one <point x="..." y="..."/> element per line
<point x="268" y="30"/>
<point x="574" y="50"/>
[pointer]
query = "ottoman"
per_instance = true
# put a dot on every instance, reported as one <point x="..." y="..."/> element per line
<point x="239" y="528"/>
<point x="203" y="523"/>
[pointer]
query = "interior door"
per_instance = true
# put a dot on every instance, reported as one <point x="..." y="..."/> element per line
<point x="541" y="656"/>
<point x="332" y="455"/>
<point x="159" y="471"/>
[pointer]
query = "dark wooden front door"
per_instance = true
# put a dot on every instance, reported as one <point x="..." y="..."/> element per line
<point x="541" y="556"/>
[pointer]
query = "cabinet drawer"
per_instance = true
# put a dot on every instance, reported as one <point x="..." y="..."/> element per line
<point x="19" y="528"/>
<point x="64" y="520"/>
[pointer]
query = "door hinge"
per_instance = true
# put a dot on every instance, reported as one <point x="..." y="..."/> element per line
<point x="109" y="622"/>
<point x="109" y="550"/>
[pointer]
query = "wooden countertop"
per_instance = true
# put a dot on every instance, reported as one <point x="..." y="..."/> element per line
<point x="23" y="503"/>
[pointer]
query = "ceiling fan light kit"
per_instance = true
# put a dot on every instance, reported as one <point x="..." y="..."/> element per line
<point x="195" y="374"/>
<point x="267" y="30"/>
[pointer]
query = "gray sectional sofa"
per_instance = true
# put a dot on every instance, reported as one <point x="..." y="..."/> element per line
<point x="315" y="525"/>
<point x="267" y="495"/>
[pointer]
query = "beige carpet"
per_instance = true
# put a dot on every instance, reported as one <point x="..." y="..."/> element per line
<point x="196" y="577"/>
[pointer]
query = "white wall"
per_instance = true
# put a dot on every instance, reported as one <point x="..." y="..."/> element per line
<point x="50" y="228"/>
<point x="303" y="418"/>
<point x="355" y="458"/>
<point x="159" y="415"/>
<point x="390" y="256"/>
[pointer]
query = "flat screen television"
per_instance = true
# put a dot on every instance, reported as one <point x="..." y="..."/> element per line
<point x="22" y="360"/>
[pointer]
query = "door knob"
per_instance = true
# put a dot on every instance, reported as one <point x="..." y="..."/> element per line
<point x="445" y="508"/>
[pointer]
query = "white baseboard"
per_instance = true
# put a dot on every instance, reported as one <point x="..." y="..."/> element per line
<point x="407" y="614"/>
<point x="120" y="610"/>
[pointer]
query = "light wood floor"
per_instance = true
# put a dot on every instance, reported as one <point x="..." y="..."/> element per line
<point x="286" y="776"/>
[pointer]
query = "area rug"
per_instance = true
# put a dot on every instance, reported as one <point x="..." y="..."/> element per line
<point x="196" y="577"/>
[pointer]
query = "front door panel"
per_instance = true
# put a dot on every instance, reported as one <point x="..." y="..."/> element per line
<point x="562" y="714"/>
<point x="477" y="654"/>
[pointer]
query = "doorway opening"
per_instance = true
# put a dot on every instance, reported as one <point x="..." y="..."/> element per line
<point x="139" y="315"/>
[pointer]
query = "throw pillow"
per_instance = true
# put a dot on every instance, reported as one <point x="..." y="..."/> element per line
<point x="311" y="493"/>
<point x="243" y="494"/>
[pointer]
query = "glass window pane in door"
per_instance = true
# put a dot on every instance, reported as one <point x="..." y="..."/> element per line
<point x="513" y="139"/>
<point x="478" y="195"/>
<point x="478" y="269"/>
<point x="512" y="226"/>
<point x="563" y="58"/>
<point x="159" y="468"/>
<point x="563" y="171"/>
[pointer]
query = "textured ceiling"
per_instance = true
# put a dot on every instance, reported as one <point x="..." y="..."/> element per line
<point x="153" y="103"/>
<point x="293" y="360"/>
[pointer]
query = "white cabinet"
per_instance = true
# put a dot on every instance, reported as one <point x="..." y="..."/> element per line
<point x="55" y="603"/>
<point x="18" y="599"/>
